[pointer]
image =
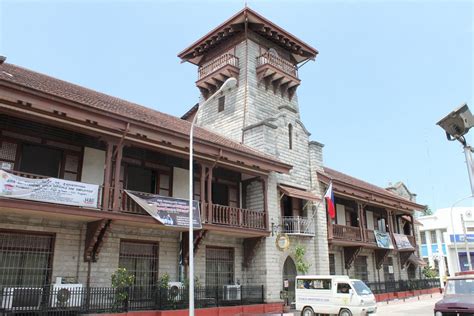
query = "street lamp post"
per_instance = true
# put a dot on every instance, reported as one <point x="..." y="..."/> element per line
<point x="457" y="124"/>
<point x="227" y="85"/>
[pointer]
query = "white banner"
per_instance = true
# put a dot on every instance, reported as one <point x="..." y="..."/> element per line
<point x="50" y="190"/>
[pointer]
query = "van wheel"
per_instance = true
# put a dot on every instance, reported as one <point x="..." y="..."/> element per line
<point x="345" y="312"/>
<point x="307" y="311"/>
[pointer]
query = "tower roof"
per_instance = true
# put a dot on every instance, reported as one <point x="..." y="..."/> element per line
<point x="256" y="23"/>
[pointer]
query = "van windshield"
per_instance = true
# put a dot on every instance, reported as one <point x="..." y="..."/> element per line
<point x="361" y="288"/>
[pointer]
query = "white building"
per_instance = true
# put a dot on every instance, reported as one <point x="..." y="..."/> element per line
<point x="438" y="233"/>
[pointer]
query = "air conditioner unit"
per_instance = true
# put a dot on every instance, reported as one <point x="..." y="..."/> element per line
<point x="232" y="292"/>
<point x="66" y="295"/>
<point x="175" y="290"/>
<point x="21" y="298"/>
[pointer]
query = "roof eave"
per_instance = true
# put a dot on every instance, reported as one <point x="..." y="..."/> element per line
<point x="414" y="206"/>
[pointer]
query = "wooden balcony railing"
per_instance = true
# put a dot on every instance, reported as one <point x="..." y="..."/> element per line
<point x="220" y="214"/>
<point x="297" y="225"/>
<point x="371" y="236"/>
<point x="278" y="62"/>
<point x="236" y="217"/>
<point x="218" y="63"/>
<point x="346" y="232"/>
<point x="412" y="241"/>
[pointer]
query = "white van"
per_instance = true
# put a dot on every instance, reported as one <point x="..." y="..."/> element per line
<point x="333" y="294"/>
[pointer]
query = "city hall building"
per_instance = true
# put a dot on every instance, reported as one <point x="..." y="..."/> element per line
<point x="80" y="171"/>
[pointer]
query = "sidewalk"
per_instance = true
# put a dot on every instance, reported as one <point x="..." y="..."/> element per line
<point x="411" y="299"/>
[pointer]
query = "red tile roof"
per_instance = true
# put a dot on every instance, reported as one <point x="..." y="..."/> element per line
<point x="55" y="87"/>
<point x="346" y="179"/>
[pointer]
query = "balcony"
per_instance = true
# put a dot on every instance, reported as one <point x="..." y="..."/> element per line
<point x="297" y="225"/>
<point x="218" y="215"/>
<point x="213" y="73"/>
<point x="349" y="233"/>
<point x="278" y="73"/>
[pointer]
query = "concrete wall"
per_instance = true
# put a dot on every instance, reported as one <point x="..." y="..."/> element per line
<point x="68" y="258"/>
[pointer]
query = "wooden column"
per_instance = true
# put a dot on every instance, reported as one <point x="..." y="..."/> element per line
<point x="209" y="195"/>
<point x="202" y="191"/>
<point x="412" y="222"/>
<point x="265" y="201"/>
<point x="106" y="193"/>
<point x="118" y="164"/>
<point x="360" y="210"/>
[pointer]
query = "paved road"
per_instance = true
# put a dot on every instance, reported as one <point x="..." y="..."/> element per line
<point x="412" y="306"/>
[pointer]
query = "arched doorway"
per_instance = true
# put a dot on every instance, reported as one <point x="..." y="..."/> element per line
<point x="289" y="275"/>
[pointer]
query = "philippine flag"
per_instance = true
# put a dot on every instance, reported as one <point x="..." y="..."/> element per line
<point x="329" y="197"/>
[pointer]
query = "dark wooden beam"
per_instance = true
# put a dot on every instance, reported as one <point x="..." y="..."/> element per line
<point x="96" y="235"/>
<point x="404" y="257"/>
<point x="350" y="253"/>
<point x="380" y="255"/>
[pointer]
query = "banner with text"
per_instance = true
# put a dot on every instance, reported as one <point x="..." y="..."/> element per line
<point x="51" y="190"/>
<point x="168" y="211"/>
<point x="383" y="240"/>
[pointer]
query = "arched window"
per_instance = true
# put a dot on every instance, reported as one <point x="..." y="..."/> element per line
<point x="290" y="136"/>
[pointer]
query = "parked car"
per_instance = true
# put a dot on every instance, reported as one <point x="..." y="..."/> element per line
<point x="334" y="295"/>
<point x="458" y="296"/>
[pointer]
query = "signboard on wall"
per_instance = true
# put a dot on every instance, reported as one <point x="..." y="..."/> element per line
<point x="167" y="210"/>
<point x="462" y="237"/>
<point x="383" y="240"/>
<point x="51" y="190"/>
<point x="402" y="242"/>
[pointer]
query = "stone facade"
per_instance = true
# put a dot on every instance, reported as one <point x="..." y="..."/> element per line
<point x="260" y="118"/>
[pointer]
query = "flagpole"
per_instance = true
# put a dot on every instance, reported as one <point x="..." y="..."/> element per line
<point x="316" y="208"/>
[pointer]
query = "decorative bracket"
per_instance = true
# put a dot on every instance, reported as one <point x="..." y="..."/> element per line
<point x="380" y="255"/>
<point x="404" y="257"/>
<point x="350" y="253"/>
<point x="96" y="235"/>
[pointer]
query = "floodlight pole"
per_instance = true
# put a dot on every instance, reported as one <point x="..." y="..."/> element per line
<point x="470" y="165"/>
<point x="228" y="84"/>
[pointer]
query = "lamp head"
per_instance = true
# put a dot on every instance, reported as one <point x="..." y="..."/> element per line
<point x="228" y="84"/>
<point x="458" y="122"/>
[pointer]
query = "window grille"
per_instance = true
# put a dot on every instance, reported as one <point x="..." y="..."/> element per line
<point x="290" y="136"/>
<point x="7" y="155"/>
<point x="219" y="266"/>
<point x="25" y="259"/>
<point x="360" y="268"/>
<point x="423" y="238"/>
<point x="141" y="260"/>
<point x="411" y="270"/>
<point x="332" y="264"/>
<point x="433" y="237"/>
<point x="388" y="269"/>
<point x="221" y="104"/>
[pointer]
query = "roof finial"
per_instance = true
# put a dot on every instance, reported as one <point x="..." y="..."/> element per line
<point x="245" y="3"/>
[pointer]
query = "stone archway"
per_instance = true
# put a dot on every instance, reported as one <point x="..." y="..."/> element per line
<point x="289" y="274"/>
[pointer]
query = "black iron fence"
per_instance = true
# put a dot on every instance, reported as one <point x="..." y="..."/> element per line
<point x="402" y="285"/>
<point x="77" y="301"/>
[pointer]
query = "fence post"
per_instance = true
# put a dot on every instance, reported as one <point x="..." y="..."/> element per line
<point x="263" y="294"/>
<point x="217" y="296"/>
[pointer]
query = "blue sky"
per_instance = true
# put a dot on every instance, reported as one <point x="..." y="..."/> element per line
<point x="386" y="73"/>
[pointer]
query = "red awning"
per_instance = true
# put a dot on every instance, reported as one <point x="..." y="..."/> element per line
<point x="298" y="193"/>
